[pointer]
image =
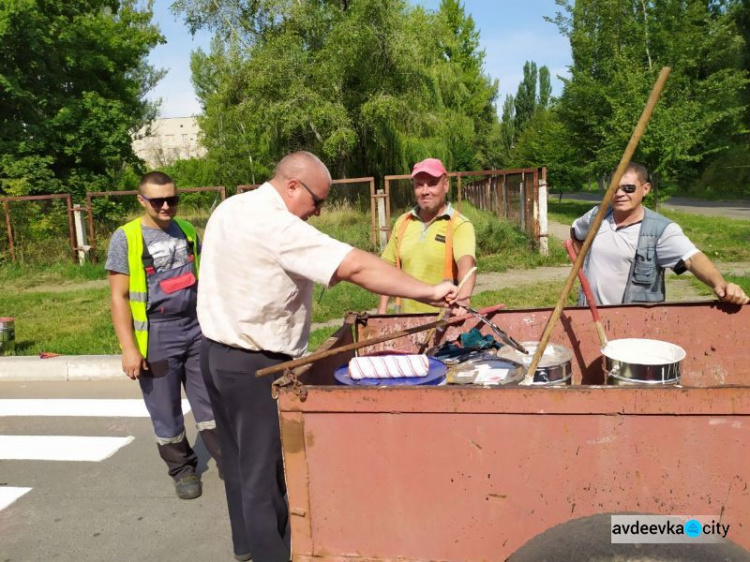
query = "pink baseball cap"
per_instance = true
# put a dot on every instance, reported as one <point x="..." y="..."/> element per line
<point x="431" y="166"/>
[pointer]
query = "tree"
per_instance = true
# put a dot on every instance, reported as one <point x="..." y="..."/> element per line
<point x="73" y="76"/>
<point x="618" y="48"/>
<point x="508" y="129"/>
<point x="545" y="88"/>
<point x="371" y="86"/>
<point x="518" y="113"/>
<point x="475" y="93"/>
<point x="526" y="97"/>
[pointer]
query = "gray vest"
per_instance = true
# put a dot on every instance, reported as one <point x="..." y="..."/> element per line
<point x="646" y="278"/>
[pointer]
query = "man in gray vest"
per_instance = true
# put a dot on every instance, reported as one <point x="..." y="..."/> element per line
<point x="634" y="246"/>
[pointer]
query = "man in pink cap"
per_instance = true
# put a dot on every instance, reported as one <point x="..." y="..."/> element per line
<point x="433" y="241"/>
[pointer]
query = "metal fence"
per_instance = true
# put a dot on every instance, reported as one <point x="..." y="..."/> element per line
<point x="36" y="227"/>
<point x="512" y="194"/>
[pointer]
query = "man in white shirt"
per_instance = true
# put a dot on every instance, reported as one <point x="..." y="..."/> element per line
<point x="259" y="264"/>
<point x="634" y="246"/>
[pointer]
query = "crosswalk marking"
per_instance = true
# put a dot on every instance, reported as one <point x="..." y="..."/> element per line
<point x="9" y="494"/>
<point x="60" y="447"/>
<point x="125" y="408"/>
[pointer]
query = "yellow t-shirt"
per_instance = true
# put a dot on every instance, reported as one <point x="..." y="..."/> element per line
<point x="423" y="248"/>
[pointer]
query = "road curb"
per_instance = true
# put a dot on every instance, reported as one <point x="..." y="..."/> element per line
<point x="63" y="368"/>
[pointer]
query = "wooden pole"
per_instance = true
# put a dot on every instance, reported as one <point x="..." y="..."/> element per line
<point x="357" y="345"/>
<point x="613" y="185"/>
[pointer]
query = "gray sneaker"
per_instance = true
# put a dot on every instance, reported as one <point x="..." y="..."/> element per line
<point x="188" y="487"/>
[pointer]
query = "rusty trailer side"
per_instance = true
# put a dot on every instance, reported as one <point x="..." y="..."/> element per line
<point x="471" y="474"/>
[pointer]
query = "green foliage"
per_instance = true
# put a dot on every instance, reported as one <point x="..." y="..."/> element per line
<point x="727" y="175"/>
<point x="371" y="86"/>
<point x="72" y="80"/>
<point x="618" y="50"/>
<point x="529" y="132"/>
<point x="193" y="172"/>
<point x="526" y="97"/>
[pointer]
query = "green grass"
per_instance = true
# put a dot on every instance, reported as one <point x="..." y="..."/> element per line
<point x="70" y="323"/>
<point x="333" y="303"/>
<point x="567" y="211"/>
<point x="317" y="337"/>
<point x="741" y="280"/>
<point x="527" y="296"/>
<point x="18" y="278"/>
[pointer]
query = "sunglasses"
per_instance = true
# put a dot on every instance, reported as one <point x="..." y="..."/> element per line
<point x="158" y="202"/>
<point x="628" y="188"/>
<point x="317" y="201"/>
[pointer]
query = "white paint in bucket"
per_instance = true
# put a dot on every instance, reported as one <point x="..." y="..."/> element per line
<point x="644" y="351"/>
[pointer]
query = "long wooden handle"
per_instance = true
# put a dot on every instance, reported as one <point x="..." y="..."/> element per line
<point x="594" y="228"/>
<point x="589" y="296"/>
<point x="372" y="341"/>
<point x="357" y="345"/>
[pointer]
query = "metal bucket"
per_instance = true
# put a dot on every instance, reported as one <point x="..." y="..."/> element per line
<point x="636" y="361"/>
<point x="7" y="336"/>
<point x="554" y="368"/>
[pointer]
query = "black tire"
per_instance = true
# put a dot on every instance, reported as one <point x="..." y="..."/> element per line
<point x="588" y="539"/>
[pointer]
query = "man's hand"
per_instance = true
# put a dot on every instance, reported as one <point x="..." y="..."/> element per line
<point x="731" y="293"/>
<point x="458" y="306"/>
<point x="133" y="363"/>
<point x="443" y="294"/>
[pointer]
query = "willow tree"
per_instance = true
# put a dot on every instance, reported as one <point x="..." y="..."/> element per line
<point x="365" y="84"/>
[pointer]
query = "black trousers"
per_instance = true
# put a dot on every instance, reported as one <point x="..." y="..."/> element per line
<point x="248" y="426"/>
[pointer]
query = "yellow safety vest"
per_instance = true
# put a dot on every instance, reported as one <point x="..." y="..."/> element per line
<point x="138" y="295"/>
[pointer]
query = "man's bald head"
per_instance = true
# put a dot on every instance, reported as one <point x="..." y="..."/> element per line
<point x="303" y="181"/>
<point x="298" y="164"/>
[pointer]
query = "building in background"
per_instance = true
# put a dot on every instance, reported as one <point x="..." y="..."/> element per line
<point x="175" y="138"/>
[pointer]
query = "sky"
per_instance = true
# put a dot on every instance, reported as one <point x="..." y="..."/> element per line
<point x="511" y="33"/>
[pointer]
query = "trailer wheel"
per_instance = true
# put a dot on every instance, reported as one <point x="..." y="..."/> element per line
<point x="588" y="539"/>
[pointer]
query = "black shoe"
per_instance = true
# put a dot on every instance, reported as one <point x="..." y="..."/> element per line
<point x="188" y="487"/>
<point x="243" y="557"/>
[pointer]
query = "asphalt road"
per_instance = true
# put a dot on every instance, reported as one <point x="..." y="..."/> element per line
<point x="730" y="209"/>
<point x="123" y="508"/>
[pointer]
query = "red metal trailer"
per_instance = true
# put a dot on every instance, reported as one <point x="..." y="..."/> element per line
<point x="468" y="473"/>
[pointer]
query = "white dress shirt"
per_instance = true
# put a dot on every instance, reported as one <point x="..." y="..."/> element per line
<point x="258" y="268"/>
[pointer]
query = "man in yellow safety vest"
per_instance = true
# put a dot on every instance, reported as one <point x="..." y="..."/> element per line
<point x="153" y="276"/>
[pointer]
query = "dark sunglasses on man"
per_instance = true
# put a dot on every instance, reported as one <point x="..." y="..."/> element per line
<point x="317" y="201"/>
<point x="158" y="202"/>
<point x="628" y="188"/>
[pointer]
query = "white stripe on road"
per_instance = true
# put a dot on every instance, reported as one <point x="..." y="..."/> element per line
<point x="127" y="408"/>
<point x="9" y="494"/>
<point x="59" y="447"/>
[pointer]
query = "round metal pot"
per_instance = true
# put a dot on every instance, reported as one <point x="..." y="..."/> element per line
<point x="554" y="368"/>
<point x="637" y="361"/>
